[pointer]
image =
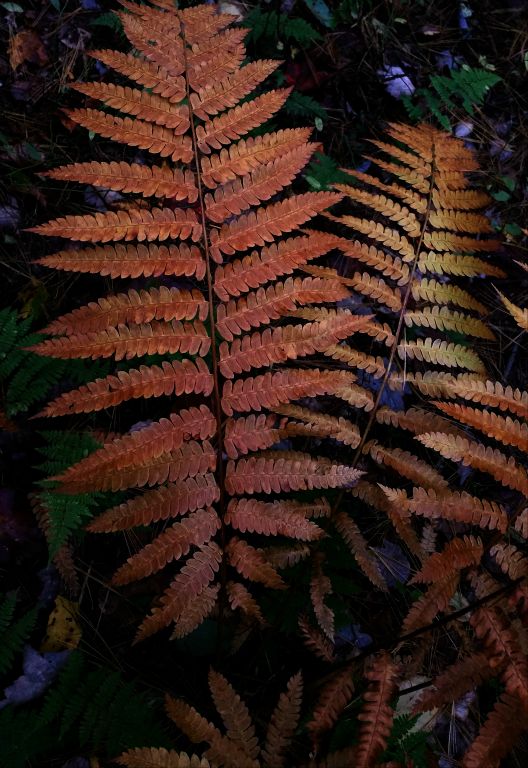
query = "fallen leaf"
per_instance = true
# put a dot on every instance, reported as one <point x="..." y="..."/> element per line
<point x="26" y="45"/>
<point x="64" y="631"/>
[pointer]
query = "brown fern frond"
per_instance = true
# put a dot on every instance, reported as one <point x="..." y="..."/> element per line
<point x="416" y="420"/>
<point x="386" y="206"/>
<point x="218" y="95"/>
<point x="251" y="433"/>
<point x="319" y="424"/>
<point x="241" y="275"/>
<point x="242" y="158"/>
<point x="258" y="186"/>
<point x="377" y="714"/>
<point x="283" y="723"/>
<point x="357" y="545"/>
<point x="316" y="641"/>
<point x="171" y="500"/>
<point x="320" y="587"/>
<point x="406" y="464"/>
<point x="454" y="506"/>
<point x="131" y="261"/>
<point x="288" y="556"/>
<point x="390" y="238"/>
<point x="149" y="442"/>
<point x="457" y="264"/>
<point x="195" y="613"/>
<point x="271" y="519"/>
<point x="128" y="341"/>
<point x="197" y="573"/>
<point x="175" y="542"/>
<point x="510" y="560"/>
<point x="355" y="358"/>
<point x="263" y="225"/>
<point x="198" y="729"/>
<point x="457" y="679"/>
<point x="482" y="457"/>
<point x="390" y="266"/>
<point x="519" y="315"/>
<point x="457" y="554"/>
<point x="153" y="757"/>
<point x="263" y="305"/>
<point x="270" y="390"/>
<point x="295" y="472"/>
<point x="132" y="224"/>
<point x="156" y="139"/>
<point x="252" y="565"/>
<point x="376" y="288"/>
<point x="332" y="700"/>
<point x="283" y="343"/>
<point x="148" y="181"/>
<point x="499" y="734"/>
<point x="234" y="714"/>
<point x="240" y="120"/>
<point x="496" y="631"/>
<point x="177" y="377"/>
<point x="143" y="72"/>
<point x="502" y="428"/>
<point x="240" y="597"/>
<point x="435" y="600"/>
<point x="132" y="307"/>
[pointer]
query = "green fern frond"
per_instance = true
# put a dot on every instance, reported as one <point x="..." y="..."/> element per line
<point x="270" y="24"/>
<point x="13" y="635"/>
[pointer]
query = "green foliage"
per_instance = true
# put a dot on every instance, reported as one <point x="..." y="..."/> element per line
<point x="88" y="707"/>
<point x="278" y="26"/>
<point x="323" y="172"/>
<point x="67" y="513"/>
<point x="405" y="745"/>
<point x="467" y="85"/>
<point x="27" y="378"/>
<point x="13" y="634"/>
<point x="300" y="105"/>
<point x="322" y="12"/>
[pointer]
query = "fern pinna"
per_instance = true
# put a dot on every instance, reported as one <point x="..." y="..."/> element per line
<point x="218" y="238"/>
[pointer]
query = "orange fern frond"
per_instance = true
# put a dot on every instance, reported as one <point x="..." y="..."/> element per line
<point x="503" y="428"/>
<point x="406" y="464"/>
<point x="332" y="700"/>
<point x="316" y="641"/>
<point x="240" y="597"/>
<point x="492" y="393"/>
<point x="435" y="600"/>
<point x="456" y="680"/>
<point x="519" y="315"/>
<point x="153" y="757"/>
<point x="499" y="734"/>
<point x="355" y="541"/>
<point x="278" y="518"/>
<point x="252" y="565"/>
<point x="234" y="714"/>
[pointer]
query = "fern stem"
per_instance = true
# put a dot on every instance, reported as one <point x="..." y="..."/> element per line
<point x="214" y="353"/>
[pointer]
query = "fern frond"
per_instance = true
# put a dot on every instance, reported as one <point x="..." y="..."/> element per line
<point x="355" y="541"/>
<point x="435" y="600"/>
<point x="279" y="518"/>
<point x="444" y="319"/>
<point x="519" y="315"/>
<point x="263" y="305"/>
<point x="456" y="680"/>
<point x="240" y="597"/>
<point x="131" y="261"/>
<point x="300" y="472"/>
<point x="456" y="264"/>
<point x="454" y="506"/>
<point x="377" y="714"/>
<point x="148" y="181"/>
<point x="484" y="458"/>
<point x="320" y="587"/>
<point x="502" y="428"/>
<point x="252" y="565"/>
<point x="494" y="394"/>
<point x="271" y="389"/>
<point x="234" y="714"/>
<point x="285" y="343"/>
<point x="332" y="700"/>
<point x="510" y="560"/>
<point x="407" y="465"/>
<point x="283" y="723"/>
<point x="457" y="554"/>
<point x="444" y="293"/>
<point x="263" y="225"/>
<point x="152" y="757"/>
<point x="441" y="352"/>
<point x="176" y="377"/>
<point x="499" y="733"/>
